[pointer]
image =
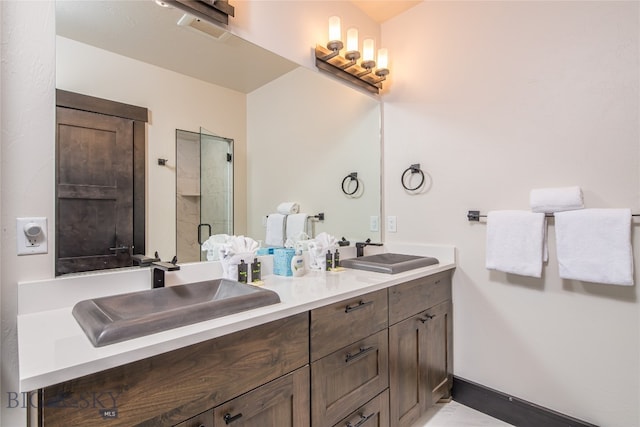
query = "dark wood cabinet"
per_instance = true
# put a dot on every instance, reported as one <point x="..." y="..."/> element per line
<point x="377" y="360"/>
<point x="202" y="420"/>
<point x="283" y="402"/>
<point x="347" y="378"/>
<point x="349" y="356"/>
<point x="374" y="413"/>
<point x="420" y="347"/>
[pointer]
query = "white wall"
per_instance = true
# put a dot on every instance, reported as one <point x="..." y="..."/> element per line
<point x="27" y="154"/>
<point x="175" y="102"/>
<point x="306" y="132"/>
<point x="494" y="99"/>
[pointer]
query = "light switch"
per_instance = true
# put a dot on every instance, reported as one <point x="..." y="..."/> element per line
<point x="392" y="224"/>
<point x="373" y="223"/>
<point x="31" y="235"/>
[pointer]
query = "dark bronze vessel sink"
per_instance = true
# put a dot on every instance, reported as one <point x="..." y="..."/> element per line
<point x="389" y="262"/>
<point x="122" y="317"/>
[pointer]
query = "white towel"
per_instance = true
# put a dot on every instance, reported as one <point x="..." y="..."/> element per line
<point x="296" y="226"/>
<point x="594" y="245"/>
<point x="515" y="242"/>
<point x="288" y="208"/>
<point x="549" y="200"/>
<point x="275" y="230"/>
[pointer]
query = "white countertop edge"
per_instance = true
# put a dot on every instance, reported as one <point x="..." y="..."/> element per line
<point x="91" y="360"/>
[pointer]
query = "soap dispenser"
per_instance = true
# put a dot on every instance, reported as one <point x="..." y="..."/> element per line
<point x="297" y="264"/>
<point x="329" y="260"/>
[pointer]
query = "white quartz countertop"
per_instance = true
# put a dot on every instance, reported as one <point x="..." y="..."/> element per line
<point x="53" y="348"/>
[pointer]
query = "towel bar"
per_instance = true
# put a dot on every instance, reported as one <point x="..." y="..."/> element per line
<point x="475" y="215"/>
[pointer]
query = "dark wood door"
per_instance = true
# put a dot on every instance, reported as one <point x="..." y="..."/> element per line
<point x="439" y="352"/>
<point x="94" y="191"/>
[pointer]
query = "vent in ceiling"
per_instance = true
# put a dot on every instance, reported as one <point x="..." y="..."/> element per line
<point x="203" y="27"/>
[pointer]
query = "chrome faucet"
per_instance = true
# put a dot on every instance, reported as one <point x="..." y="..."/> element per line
<point x="158" y="270"/>
<point x="360" y="246"/>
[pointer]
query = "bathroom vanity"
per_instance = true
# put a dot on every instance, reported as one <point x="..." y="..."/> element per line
<point x="348" y="348"/>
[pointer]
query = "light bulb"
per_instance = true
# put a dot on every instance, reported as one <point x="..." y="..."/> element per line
<point x="383" y="58"/>
<point x="334" y="28"/>
<point x="367" y="50"/>
<point x="352" y="40"/>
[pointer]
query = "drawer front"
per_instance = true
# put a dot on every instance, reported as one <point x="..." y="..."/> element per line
<point x="171" y="387"/>
<point x="410" y="298"/>
<point x="344" y="380"/>
<point x="203" y="420"/>
<point x="281" y="403"/>
<point x="374" y="413"/>
<point x="340" y="324"/>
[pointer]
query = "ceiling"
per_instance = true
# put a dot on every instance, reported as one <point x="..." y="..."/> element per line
<point x="381" y="11"/>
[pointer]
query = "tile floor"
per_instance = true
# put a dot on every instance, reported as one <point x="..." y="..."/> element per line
<point x="453" y="414"/>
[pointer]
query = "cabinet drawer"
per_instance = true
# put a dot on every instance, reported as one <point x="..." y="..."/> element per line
<point x="342" y="381"/>
<point x="203" y="420"/>
<point x="374" y="413"/>
<point x="417" y="295"/>
<point x="340" y="324"/>
<point x="281" y="403"/>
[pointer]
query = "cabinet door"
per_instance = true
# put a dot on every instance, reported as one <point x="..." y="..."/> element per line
<point x="420" y="363"/>
<point x="407" y="371"/>
<point x="344" y="380"/>
<point x="374" y="413"/>
<point x="281" y="403"/>
<point x="439" y="351"/>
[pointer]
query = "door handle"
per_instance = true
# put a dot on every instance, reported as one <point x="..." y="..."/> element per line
<point x="200" y="232"/>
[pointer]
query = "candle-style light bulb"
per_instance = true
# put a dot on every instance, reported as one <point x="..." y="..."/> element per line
<point x="383" y="63"/>
<point x="335" y="35"/>
<point x="367" y="53"/>
<point x="352" y="44"/>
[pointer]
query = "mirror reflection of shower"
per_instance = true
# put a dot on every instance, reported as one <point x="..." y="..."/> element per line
<point x="204" y="191"/>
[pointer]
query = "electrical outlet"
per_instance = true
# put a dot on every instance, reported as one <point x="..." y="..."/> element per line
<point x="374" y="223"/>
<point x="31" y="235"/>
<point x="392" y="224"/>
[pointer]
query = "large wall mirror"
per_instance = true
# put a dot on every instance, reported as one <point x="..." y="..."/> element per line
<point x="296" y="133"/>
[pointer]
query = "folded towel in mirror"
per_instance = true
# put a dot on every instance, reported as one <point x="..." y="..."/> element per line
<point x="288" y="208"/>
<point x="275" y="230"/>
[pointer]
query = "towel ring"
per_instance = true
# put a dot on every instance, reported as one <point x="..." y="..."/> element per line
<point x="353" y="176"/>
<point x="413" y="169"/>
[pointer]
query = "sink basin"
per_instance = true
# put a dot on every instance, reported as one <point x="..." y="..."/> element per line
<point x="118" y="318"/>
<point x="388" y="263"/>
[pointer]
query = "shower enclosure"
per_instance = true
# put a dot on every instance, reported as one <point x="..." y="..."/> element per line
<point x="204" y="191"/>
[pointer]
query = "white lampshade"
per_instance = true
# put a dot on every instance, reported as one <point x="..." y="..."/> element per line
<point x="334" y="28"/>
<point x="352" y="39"/>
<point x="368" y="50"/>
<point x="383" y="58"/>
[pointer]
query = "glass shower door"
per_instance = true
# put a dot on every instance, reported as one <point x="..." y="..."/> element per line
<point x="216" y="186"/>
<point x="204" y="191"/>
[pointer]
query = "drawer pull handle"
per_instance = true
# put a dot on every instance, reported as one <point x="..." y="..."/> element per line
<point x="350" y="357"/>
<point x="228" y="419"/>
<point x="426" y="318"/>
<point x="359" y="305"/>
<point x="362" y="420"/>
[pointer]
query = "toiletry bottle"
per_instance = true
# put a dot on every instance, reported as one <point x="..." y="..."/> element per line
<point x="336" y="259"/>
<point x="297" y="264"/>
<point x="256" y="271"/>
<point x="242" y="272"/>
<point x="329" y="258"/>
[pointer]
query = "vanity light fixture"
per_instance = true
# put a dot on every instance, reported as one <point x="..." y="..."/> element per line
<point x="363" y="74"/>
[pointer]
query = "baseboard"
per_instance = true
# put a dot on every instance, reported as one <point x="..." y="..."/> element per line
<point x="508" y="408"/>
